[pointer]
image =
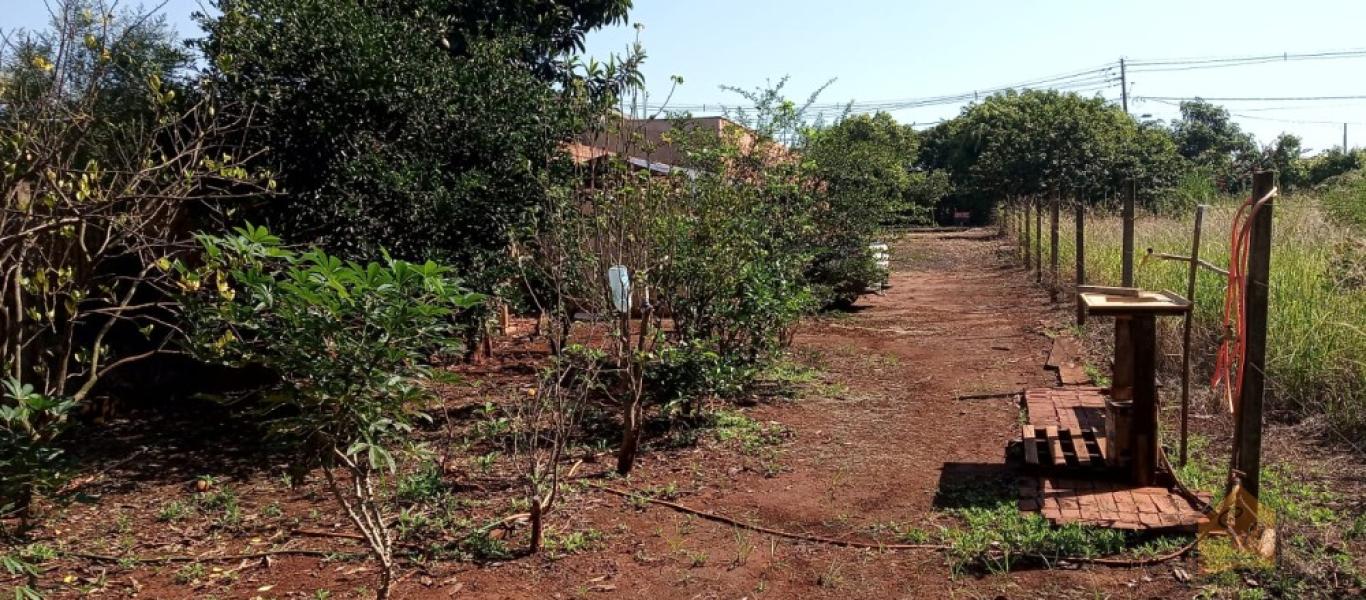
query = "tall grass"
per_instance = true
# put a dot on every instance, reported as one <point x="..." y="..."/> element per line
<point x="1316" y="355"/>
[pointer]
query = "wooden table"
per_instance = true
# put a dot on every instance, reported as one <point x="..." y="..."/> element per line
<point x="1134" y="383"/>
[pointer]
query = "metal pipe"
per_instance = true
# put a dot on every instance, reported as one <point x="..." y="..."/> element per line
<point x="1186" y="326"/>
<point x="1177" y="257"/>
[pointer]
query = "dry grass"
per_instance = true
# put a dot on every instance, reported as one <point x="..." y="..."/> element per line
<point x="1316" y="359"/>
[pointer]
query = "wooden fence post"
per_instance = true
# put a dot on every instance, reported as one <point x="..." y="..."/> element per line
<point x="1081" y="258"/>
<point x="1027" y="249"/>
<point x="1256" y="292"/>
<point x="1038" y="240"/>
<point x="1127" y="247"/>
<point x="1186" y="327"/>
<point x="1053" y="244"/>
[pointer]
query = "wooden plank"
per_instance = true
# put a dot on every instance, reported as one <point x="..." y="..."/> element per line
<point x="1146" y="303"/>
<point x="1064" y="351"/>
<point x="1100" y="443"/>
<point x="1079" y="447"/>
<point x="1109" y="289"/>
<point x="1055" y="446"/>
<point x="1073" y="374"/>
<point x="1031" y="445"/>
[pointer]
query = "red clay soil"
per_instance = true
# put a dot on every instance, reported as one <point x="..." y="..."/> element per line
<point x="867" y="449"/>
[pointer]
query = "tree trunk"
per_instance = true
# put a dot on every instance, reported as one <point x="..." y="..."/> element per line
<point x="536" y="527"/>
<point x="630" y="436"/>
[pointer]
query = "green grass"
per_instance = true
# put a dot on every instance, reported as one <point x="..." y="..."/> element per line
<point x="1316" y="356"/>
<point x="749" y="435"/>
<point x="1311" y="517"/>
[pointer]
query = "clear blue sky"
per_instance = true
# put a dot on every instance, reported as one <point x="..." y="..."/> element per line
<point x="891" y="49"/>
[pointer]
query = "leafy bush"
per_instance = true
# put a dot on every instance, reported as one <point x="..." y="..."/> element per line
<point x="689" y="372"/>
<point x="424" y="128"/>
<point x="30" y="461"/>
<point x="1344" y="198"/>
<point x="348" y="342"/>
<point x="104" y="158"/>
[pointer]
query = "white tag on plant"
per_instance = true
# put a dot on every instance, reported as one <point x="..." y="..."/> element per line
<point x="619" y="280"/>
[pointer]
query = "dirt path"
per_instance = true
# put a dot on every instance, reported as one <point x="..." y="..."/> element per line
<point x="873" y="448"/>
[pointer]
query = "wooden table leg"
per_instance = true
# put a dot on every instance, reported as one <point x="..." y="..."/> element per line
<point x="1143" y="342"/>
<point x="1122" y="375"/>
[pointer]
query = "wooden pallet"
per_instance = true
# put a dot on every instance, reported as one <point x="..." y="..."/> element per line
<point x="1066" y="427"/>
<point x="1051" y="446"/>
<point x="1112" y="504"/>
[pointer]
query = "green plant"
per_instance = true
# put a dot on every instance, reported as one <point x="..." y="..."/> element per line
<point x="349" y="344"/>
<point x="172" y="511"/>
<point x="224" y="502"/>
<point x="744" y="546"/>
<point x="189" y="573"/>
<point x="696" y="558"/>
<point x="272" y="511"/>
<point x="572" y="542"/>
<point x="423" y="485"/>
<point x="30" y="460"/>
<point x="749" y="434"/>
<point x="19" y="566"/>
<point x="486" y="462"/>
<point x="104" y="152"/>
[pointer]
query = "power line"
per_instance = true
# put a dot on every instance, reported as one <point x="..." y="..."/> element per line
<point x="1251" y="98"/>
<point x="1261" y="118"/>
<point x="1092" y="79"/>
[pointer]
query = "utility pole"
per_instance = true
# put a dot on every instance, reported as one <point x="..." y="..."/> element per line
<point x="1124" y="85"/>
<point x="1344" y="138"/>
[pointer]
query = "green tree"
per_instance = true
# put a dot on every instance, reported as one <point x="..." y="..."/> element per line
<point x="1283" y="156"/>
<point x="1044" y="141"/>
<point x="421" y="127"/>
<point x="1207" y="136"/>
<point x="106" y="156"/>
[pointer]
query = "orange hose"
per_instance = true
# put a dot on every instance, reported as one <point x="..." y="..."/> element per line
<point x="1229" y="362"/>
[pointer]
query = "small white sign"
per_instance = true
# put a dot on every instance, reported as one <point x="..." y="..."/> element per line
<point x="619" y="280"/>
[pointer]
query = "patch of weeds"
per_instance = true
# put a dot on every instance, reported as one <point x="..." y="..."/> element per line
<point x="174" y="511"/>
<point x="995" y="539"/>
<point x="668" y="491"/>
<point x="493" y="426"/>
<point x="123" y="523"/>
<point x="1296" y="499"/>
<point x="1161" y="545"/>
<point x="788" y="375"/>
<point x="833" y="576"/>
<point x="224" y="502"/>
<point x="1228" y="565"/>
<point x="750" y="435"/>
<point x="1357" y="531"/>
<point x="272" y="511"/>
<point x="564" y="544"/>
<point x="37" y="553"/>
<point x="189" y="573"/>
<point x="696" y="558"/>
<point x="832" y="390"/>
<point x="424" y="485"/>
<point x="480" y="545"/>
<point x="413" y="525"/>
<point x="913" y="535"/>
<point x="485" y="462"/>
<point x="744" y="546"/>
<point x="1097" y="376"/>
